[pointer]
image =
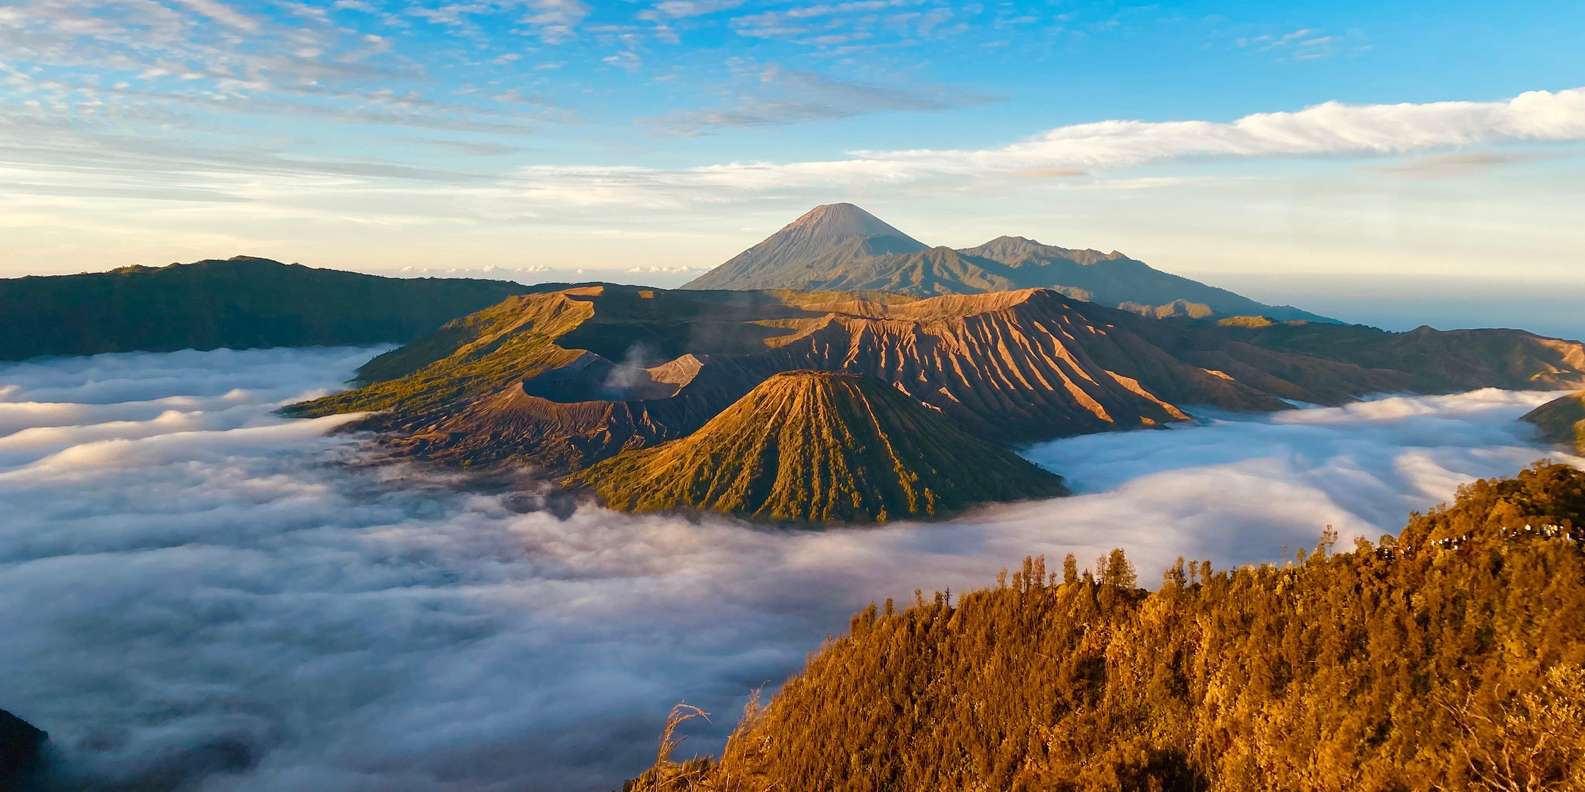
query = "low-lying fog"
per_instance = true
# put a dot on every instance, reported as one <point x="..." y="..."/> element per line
<point x="191" y="585"/>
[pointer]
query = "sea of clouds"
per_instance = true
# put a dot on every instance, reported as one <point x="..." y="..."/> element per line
<point x="196" y="590"/>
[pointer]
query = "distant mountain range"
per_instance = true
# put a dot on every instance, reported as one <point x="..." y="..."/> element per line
<point x="842" y="247"/>
<point x="239" y="303"/>
<point x="560" y="381"/>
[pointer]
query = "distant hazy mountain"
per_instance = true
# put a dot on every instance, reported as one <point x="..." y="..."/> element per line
<point x="808" y="446"/>
<point x="842" y="247"/>
<point x="240" y="302"/>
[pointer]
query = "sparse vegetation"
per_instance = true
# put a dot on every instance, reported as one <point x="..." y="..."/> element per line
<point x="1451" y="656"/>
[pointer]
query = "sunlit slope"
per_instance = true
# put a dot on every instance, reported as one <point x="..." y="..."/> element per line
<point x="809" y="446"/>
<point x="1449" y="657"/>
<point x="562" y="379"/>
<point x="1562" y="420"/>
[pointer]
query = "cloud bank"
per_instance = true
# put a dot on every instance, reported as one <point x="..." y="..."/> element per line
<point x="565" y="192"/>
<point x="1327" y="129"/>
<point x="195" y="588"/>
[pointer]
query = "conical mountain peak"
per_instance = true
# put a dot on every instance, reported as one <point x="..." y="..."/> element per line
<point x="842" y="221"/>
<point x="826" y="238"/>
<point x="808" y="446"/>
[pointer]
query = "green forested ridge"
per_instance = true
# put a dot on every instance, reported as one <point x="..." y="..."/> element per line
<point x="1451" y="656"/>
<point x="239" y="303"/>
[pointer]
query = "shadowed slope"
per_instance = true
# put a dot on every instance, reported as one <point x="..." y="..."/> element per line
<point x="21" y="750"/>
<point x="1562" y="421"/>
<point x="1117" y="280"/>
<point x="240" y="303"/>
<point x="809" y="446"/>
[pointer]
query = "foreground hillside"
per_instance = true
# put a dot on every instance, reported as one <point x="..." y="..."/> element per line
<point x="841" y="247"/>
<point x="810" y="446"/>
<point x="239" y="303"/>
<point x="1449" y="657"/>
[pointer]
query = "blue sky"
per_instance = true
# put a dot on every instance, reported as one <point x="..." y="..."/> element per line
<point x="654" y="138"/>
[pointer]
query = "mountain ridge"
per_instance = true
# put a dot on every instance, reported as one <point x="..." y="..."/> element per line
<point x="240" y="302"/>
<point x="842" y="247"/>
<point x="558" y="381"/>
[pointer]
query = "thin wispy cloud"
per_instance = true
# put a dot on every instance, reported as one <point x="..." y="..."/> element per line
<point x="842" y="25"/>
<point x="555" y="21"/>
<point x="772" y="95"/>
<point x="222" y="13"/>
<point x="1303" y="44"/>
<point x="682" y="9"/>
<point x="1442" y="166"/>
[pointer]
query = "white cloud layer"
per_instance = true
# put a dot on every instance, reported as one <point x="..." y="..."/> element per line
<point x="562" y="191"/>
<point x="1331" y="128"/>
<point x="76" y="187"/>
<point x="191" y="584"/>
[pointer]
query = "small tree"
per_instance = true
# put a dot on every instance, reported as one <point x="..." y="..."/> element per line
<point x="1117" y="572"/>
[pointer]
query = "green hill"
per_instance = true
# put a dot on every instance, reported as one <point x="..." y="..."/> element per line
<point x="807" y="446"/>
<point x="1449" y="657"/>
<point x="239" y="303"/>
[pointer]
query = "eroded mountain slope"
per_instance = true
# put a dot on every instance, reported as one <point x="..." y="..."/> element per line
<point x="807" y="446"/>
<point x="563" y="379"/>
